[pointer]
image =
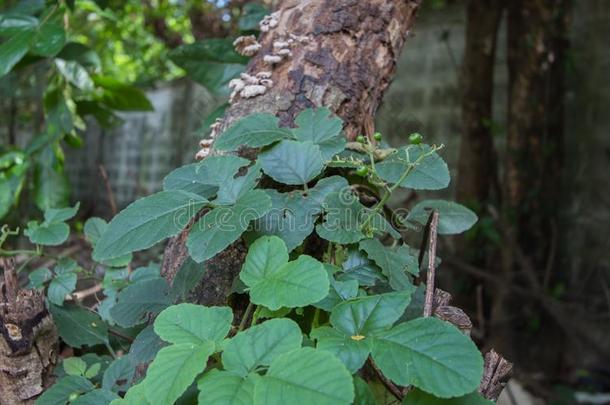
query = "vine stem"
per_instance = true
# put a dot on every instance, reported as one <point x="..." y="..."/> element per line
<point x="432" y="238"/>
<point x="393" y="388"/>
<point x="389" y="191"/>
<point x="244" y="319"/>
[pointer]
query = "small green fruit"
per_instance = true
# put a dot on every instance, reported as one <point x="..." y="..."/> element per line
<point x="361" y="139"/>
<point x="416" y="138"/>
<point x="73" y="396"/>
<point x="377" y="136"/>
<point x="362" y="171"/>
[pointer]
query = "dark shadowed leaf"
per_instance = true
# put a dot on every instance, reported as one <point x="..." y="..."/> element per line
<point x="212" y="63"/>
<point x="60" y="392"/>
<point x="78" y="326"/>
<point x="139" y="299"/>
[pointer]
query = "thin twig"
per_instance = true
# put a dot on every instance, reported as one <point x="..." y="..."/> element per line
<point x="109" y="192"/>
<point x="393" y="388"/>
<point x="480" y="306"/>
<point x="80" y="295"/>
<point x="429" y="301"/>
<point x="10" y="278"/>
<point x="117" y="333"/>
<point x="244" y="319"/>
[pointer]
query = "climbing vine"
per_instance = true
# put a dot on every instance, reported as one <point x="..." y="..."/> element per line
<point x="335" y="309"/>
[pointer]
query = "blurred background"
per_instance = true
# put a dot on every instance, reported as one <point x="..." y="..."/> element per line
<point x="520" y="99"/>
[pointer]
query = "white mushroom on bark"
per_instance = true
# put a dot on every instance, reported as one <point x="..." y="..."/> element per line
<point x="247" y="45"/>
<point x="264" y="75"/>
<point x="253" y="90"/>
<point x="272" y="59"/>
<point x="269" y="22"/>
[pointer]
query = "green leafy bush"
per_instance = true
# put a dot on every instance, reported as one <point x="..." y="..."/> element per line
<point x="315" y="324"/>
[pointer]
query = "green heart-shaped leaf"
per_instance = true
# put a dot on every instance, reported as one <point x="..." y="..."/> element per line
<point x="305" y="376"/>
<point x="260" y="345"/>
<point x="196" y="324"/>
<point x="430" y="354"/>
<point x="293" y="284"/>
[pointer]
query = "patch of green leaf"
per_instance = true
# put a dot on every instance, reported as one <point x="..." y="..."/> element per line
<point x="138" y="300"/>
<point x="418" y="397"/>
<point x="223" y="225"/>
<point x="274" y="282"/>
<point x="363" y="316"/>
<point x="259" y="345"/>
<point x="255" y="130"/>
<point x="252" y="14"/>
<point x="320" y="127"/>
<point x="393" y="262"/>
<point x="188" y="178"/>
<point x="120" y="96"/>
<point x="431" y="173"/>
<point x="351" y="351"/>
<point x="430" y="354"/>
<point x="78" y="326"/>
<point x="343" y="219"/>
<point x="49" y="39"/>
<point x="74" y="366"/>
<point x="96" y="397"/>
<point x="14" y="49"/>
<point x="305" y="376"/>
<point x="453" y="218"/>
<point x="174" y="370"/>
<point x="146" y="222"/>
<point x="60" y="392"/>
<point x="74" y="73"/>
<point x="195" y="324"/>
<point x="145" y="346"/>
<point x="224" y="388"/>
<point x="358" y="267"/>
<point x="119" y="374"/>
<point x="293" y="214"/>
<point x="292" y="162"/>
<point x="222" y="171"/>
<point x="60" y="286"/>
<point x="211" y="63"/>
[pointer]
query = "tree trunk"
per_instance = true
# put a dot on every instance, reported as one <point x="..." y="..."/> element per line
<point x="537" y="40"/>
<point x="28" y="341"/>
<point x="477" y="169"/>
<point x="343" y="57"/>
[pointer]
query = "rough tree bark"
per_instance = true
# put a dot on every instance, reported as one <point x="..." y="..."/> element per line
<point x="346" y="64"/>
<point x="28" y="341"/>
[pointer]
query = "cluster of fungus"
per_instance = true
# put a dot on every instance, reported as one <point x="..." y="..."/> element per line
<point x="248" y="85"/>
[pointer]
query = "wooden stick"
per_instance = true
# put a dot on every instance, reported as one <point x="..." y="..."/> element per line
<point x="109" y="192"/>
<point x="393" y="388"/>
<point x="429" y="301"/>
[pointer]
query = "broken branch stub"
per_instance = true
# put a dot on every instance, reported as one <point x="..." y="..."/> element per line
<point x="28" y="341"/>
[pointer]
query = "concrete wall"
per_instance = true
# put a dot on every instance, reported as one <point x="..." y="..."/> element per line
<point x="138" y="154"/>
